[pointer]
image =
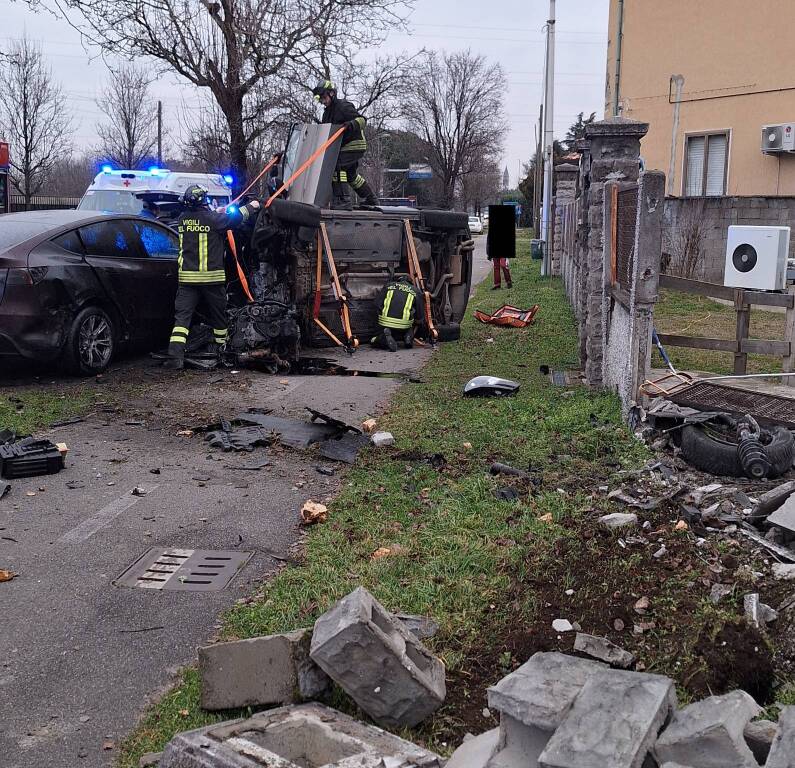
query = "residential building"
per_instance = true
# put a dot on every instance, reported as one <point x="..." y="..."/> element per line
<point x="706" y="76"/>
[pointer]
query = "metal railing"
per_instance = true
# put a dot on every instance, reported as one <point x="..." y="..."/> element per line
<point x="43" y="203"/>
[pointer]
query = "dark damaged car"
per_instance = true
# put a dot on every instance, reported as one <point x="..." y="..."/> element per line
<point x="75" y="286"/>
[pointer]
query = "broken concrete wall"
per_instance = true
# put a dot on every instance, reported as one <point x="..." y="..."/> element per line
<point x="564" y="222"/>
<point x="629" y="316"/>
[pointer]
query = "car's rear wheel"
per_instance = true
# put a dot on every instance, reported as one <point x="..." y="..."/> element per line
<point x="91" y="342"/>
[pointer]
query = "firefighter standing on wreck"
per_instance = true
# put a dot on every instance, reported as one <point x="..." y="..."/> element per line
<point x="202" y="244"/>
<point x="340" y="112"/>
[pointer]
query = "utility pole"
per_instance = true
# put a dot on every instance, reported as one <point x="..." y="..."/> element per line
<point x="549" y="139"/>
<point x="159" y="133"/>
<point x="538" y="172"/>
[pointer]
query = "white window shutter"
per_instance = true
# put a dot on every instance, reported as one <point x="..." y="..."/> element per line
<point x="716" y="164"/>
<point x="695" y="165"/>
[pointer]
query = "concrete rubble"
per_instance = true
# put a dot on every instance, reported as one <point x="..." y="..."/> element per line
<point x="475" y="752"/>
<point x="532" y="702"/>
<point x="275" y="669"/>
<point x="782" y="751"/>
<point x="709" y="733"/>
<point x="603" y="649"/>
<point x="302" y="736"/>
<point x="377" y="661"/>
<point x="759" y="736"/>
<point x="618" y="520"/>
<point x="614" y="721"/>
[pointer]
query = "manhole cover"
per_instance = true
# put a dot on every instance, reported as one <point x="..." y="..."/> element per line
<point x="186" y="570"/>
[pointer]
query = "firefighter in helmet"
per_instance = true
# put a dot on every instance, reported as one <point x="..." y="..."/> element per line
<point x="202" y="244"/>
<point x="340" y="112"/>
<point x="397" y="305"/>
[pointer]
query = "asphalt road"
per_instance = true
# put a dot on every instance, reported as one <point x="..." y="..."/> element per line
<point x="80" y="657"/>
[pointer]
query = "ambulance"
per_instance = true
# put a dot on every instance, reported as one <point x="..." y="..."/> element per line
<point x="124" y="191"/>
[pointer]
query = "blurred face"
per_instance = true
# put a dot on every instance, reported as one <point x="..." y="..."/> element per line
<point x="325" y="99"/>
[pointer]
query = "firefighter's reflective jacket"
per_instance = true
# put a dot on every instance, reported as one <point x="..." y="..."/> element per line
<point x="398" y="302"/>
<point x="202" y="243"/>
<point x="341" y="112"/>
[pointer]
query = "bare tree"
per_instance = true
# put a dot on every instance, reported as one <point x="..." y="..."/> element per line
<point x="33" y="117"/>
<point x="129" y="134"/>
<point x="455" y="103"/>
<point x="230" y="46"/>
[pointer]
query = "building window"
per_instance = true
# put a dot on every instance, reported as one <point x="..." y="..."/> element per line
<point x="706" y="164"/>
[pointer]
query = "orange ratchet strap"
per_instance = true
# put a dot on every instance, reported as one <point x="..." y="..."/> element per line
<point x="415" y="272"/>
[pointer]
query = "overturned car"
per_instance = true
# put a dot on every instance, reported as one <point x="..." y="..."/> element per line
<point x="310" y="275"/>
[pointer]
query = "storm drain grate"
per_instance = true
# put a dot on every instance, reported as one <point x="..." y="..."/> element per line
<point x="185" y="570"/>
<point x="715" y="397"/>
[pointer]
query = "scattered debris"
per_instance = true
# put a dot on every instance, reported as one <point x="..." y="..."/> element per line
<point x="4" y="489"/>
<point x="603" y="649"/>
<point x="6" y="575"/>
<point x="490" y="386"/>
<point x="382" y="439"/>
<point x="562" y="625"/>
<point x="784" y="571"/>
<point x="327" y="471"/>
<point x="150" y="760"/>
<point x="29" y="457"/>
<point x="759" y="736"/>
<point x="508" y="316"/>
<point x="422" y="627"/>
<point x="373" y="658"/>
<point x="313" y="512"/>
<point x="506" y="493"/>
<point x="238" y="438"/>
<point x="344" y="449"/>
<point x="757" y="613"/>
<point x="369" y="425"/>
<point x="505" y="469"/>
<point x="138" y="491"/>
<point x="718" y="592"/>
<point x="619" y="520"/>
<point x="185" y="433"/>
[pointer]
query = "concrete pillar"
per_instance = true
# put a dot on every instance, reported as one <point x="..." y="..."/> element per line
<point x="581" y="251"/>
<point x="614" y="156"/>
<point x="565" y="194"/>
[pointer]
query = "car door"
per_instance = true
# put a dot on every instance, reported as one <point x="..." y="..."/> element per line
<point x="161" y="248"/>
<point x="114" y="252"/>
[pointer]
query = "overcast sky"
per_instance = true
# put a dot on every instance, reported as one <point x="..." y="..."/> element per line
<point x="506" y="31"/>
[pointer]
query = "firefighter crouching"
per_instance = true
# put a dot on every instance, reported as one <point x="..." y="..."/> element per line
<point x="202" y="244"/>
<point x="340" y="112"/>
<point x="397" y="304"/>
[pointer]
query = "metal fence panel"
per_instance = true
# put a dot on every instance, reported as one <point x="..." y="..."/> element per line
<point x="43" y="203"/>
<point x="626" y="224"/>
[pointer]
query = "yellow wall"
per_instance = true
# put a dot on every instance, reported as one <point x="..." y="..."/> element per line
<point x="719" y="47"/>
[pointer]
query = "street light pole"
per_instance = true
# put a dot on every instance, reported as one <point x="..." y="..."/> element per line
<point x="549" y="139"/>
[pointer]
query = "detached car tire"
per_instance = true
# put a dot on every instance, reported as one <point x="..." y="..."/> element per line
<point x="720" y="457"/>
<point x="90" y="343"/>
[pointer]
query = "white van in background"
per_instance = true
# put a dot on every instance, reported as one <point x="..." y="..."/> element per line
<point x="114" y="191"/>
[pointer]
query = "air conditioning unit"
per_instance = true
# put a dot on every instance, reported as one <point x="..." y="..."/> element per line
<point x="756" y="258"/>
<point x="778" y="138"/>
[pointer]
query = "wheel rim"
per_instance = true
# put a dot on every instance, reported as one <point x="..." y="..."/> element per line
<point x="96" y="341"/>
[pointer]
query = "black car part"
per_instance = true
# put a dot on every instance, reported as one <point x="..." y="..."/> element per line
<point x="29" y="457"/>
<point x="490" y="386"/>
<point x="720" y="448"/>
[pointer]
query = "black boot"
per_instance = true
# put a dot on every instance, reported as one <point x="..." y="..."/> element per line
<point x="389" y="340"/>
<point x="341" y="197"/>
<point x="367" y="196"/>
<point x="408" y="339"/>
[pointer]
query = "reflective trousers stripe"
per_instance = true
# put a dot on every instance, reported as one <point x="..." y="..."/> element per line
<point x="393" y="322"/>
<point x="178" y="340"/>
<point x="358" y="182"/>
<point x="181" y="329"/>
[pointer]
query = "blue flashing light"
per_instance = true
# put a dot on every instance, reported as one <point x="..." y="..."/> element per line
<point x="229" y="179"/>
<point x="107" y="168"/>
<point x="154" y="170"/>
<point x="232" y="208"/>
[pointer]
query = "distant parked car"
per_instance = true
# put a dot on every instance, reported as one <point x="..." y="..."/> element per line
<point x="77" y="285"/>
<point x="475" y="225"/>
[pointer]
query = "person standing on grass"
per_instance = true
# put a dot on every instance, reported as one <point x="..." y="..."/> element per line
<point x="499" y="264"/>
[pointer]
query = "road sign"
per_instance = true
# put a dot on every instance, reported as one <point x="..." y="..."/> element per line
<point x="420" y="171"/>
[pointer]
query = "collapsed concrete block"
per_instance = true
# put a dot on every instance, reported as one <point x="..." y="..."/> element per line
<point x="784" y="516"/>
<point x="275" y="669"/>
<point x="759" y="736"/>
<point x="709" y="733"/>
<point x="303" y="736"/>
<point x="601" y="648"/>
<point x="475" y="752"/>
<point x="784" y="571"/>
<point x="382" y="439"/>
<point x="533" y="700"/>
<point x="613" y="722"/>
<point x="381" y="665"/>
<point x="782" y="751"/>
